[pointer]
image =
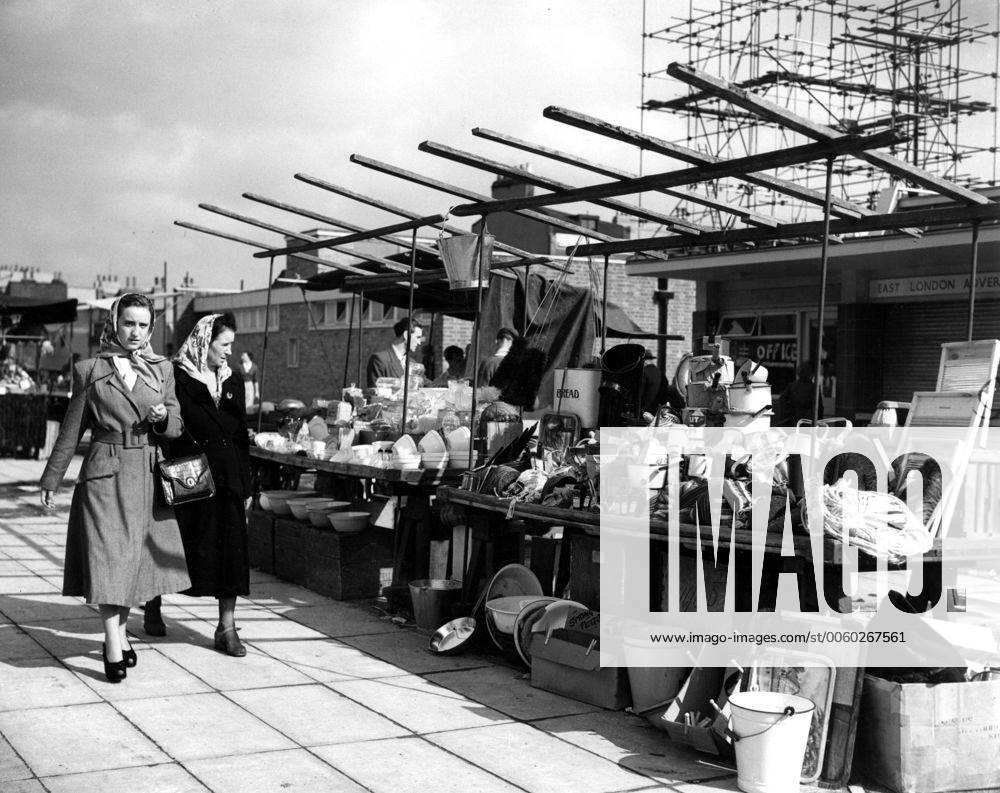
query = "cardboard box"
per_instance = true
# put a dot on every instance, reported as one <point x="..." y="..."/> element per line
<point x="567" y="662"/>
<point x="918" y="738"/>
<point x="692" y="707"/>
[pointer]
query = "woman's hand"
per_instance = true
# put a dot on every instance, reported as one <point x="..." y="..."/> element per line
<point x="157" y="413"/>
<point x="48" y="499"/>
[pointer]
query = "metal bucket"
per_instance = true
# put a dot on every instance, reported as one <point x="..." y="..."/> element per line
<point x="460" y="254"/>
<point x="432" y="601"/>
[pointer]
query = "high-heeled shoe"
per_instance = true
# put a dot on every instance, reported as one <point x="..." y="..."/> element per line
<point x="114" y="671"/>
<point x="129" y="658"/>
<point x="152" y="621"/>
<point x="228" y="642"/>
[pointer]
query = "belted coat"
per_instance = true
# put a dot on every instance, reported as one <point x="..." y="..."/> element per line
<point x="123" y="545"/>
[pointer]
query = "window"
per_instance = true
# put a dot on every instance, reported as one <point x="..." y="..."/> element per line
<point x="251" y="320"/>
<point x="293" y="353"/>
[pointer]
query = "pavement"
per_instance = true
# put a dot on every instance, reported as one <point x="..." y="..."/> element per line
<point x="332" y="696"/>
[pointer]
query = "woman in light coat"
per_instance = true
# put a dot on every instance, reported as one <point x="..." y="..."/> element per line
<point x="123" y="545"/>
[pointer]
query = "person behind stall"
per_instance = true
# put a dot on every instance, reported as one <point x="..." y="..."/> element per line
<point x="391" y="362"/>
<point x="14" y="377"/>
<point x="455" y="359"/>
<point x="505" y="339"/>
<point x="123" y="545"/>
<point x="251" y="385"/>
<point x="215" y="530"/>
<point x="797" y="398"/>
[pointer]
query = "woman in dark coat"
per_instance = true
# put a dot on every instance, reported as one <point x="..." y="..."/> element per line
<point x="213" y="407"/>
<point x="122" y="544"/>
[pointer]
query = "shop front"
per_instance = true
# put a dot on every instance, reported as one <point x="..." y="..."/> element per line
<point x="891" y="302"/>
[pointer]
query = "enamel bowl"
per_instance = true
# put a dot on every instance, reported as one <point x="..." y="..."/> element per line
<point x="349" y="522"/>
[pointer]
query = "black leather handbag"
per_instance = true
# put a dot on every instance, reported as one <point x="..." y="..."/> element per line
<point x="186" y="479"/>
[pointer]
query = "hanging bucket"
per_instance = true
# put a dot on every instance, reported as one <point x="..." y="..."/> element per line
<point x="460" y="254"/>
<point x="770" y="731"/>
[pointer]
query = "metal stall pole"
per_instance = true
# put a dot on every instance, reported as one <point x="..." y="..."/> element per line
<point x="263" y="354"/>
<point x="972" y="278"/>
<point x="524" y="317"/>
<point x="361" y="322"/>
<point x="409" y="333"/>
<point x="604" y="308"/>
<point x="347" y="350"/>
<point x="475" y="339"/>
<point x="824" y="258"/>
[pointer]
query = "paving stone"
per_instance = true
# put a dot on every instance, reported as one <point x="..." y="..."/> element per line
<point x="227" y="728"/>
<point x="273" y="628"/>
<point x="273" y="772"/>
<point x="12" y="767"/>
<point x="24" y="786"/>
<point x="34" y="608"/>
<point x="509" y="692"/>
<point x="343" y="619"/>
<point x="407" y="649"/>
<point x="144" y="680"/>
<point x="619" y="736"/>
<point x="64" y="638"/>
<point x="314" y="715"/>
<point x="327" y="660"/>
<point x="536" y="761"/>
<point x="226" y="673"/>
<point x="280" y="596"/>
<point x="62" y="740"/>
<point x="165" y="778"/>
<point x="40" y="683"/>
<point x="418" y="704"/>
<point x="25" y="584"/>
<point x="16" y="645"/>
<point x="720" y="786"/>
<point x="409" y="765"/>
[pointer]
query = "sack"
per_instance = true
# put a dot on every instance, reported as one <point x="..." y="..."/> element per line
<point x="186" y="479"/>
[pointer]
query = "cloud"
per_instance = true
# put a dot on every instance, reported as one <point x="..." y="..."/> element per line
<point x="119" y="118"/>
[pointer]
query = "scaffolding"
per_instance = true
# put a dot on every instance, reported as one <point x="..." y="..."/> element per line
<point x="926" y="68"/>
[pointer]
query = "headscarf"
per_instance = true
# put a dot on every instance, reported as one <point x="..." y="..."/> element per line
<point x="193" y="358"/>
<point x="141" y="358"/>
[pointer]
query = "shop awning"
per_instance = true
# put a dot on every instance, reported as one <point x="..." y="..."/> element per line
<point x="29" y="311"/>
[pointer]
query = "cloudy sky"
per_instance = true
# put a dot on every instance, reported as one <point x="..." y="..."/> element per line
<point x="117" y="118"/>
<point x="120" y="117"/>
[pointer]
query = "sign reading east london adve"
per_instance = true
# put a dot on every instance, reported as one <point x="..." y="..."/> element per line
<point x="932" y="285"/>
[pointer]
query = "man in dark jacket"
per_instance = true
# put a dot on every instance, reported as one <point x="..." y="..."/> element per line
<point x="392" y="361"/>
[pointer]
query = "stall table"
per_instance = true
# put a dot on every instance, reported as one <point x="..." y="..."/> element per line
<point x="23" y="426"/>
<point x="414" y="526"/>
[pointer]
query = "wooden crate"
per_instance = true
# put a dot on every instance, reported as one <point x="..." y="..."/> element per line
<point x="340" y="566"/>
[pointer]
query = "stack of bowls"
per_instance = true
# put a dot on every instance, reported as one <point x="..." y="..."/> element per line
<point x="434" y="460"/>
<point x="278" y="500"/>
<point x="349" y="522"/>
<point x="267" y="495"/>
<point x="317" y="511"/>
<point x="433" y="452"/>
<point x="405" y="454"/>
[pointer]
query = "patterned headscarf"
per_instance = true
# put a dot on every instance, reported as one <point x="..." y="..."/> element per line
<point x="140" y="359"/>
<point x="193" y="358"/>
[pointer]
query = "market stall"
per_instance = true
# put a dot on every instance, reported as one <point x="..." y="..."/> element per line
<point x="530" y="497"/>
<point x="26" y="406"/>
